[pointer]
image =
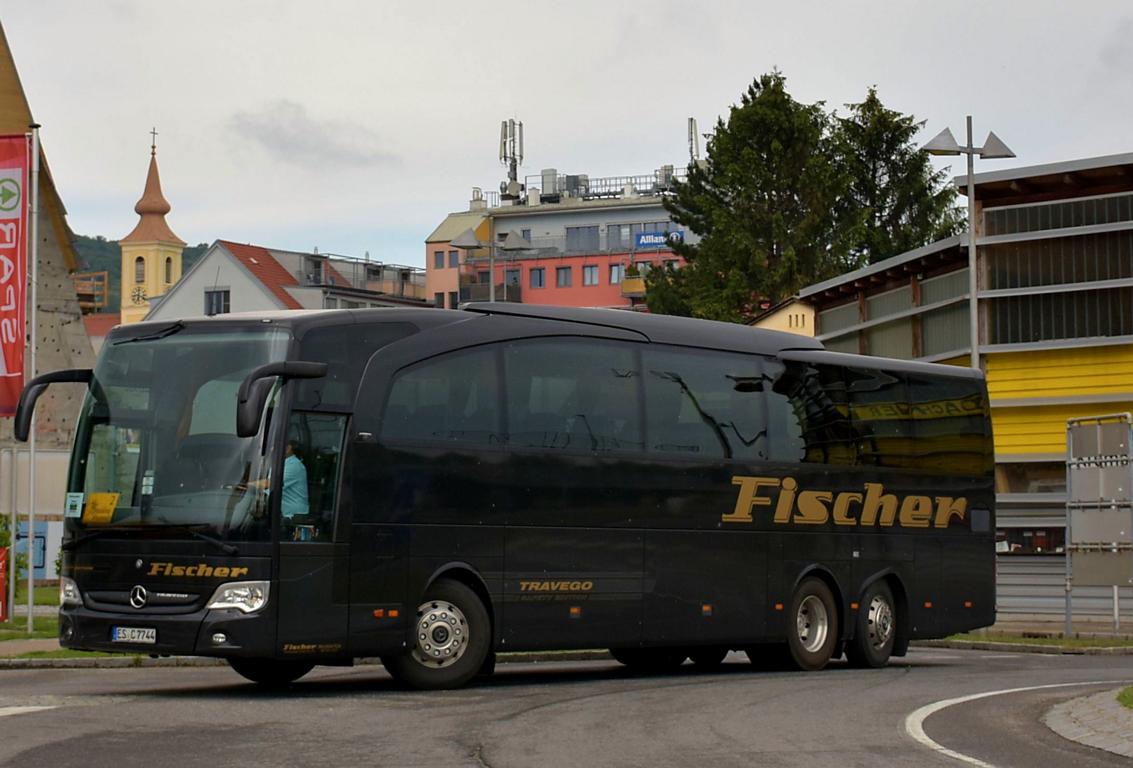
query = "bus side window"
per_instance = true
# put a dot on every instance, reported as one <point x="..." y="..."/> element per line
<point x="575" y="395"/>
<point x="950" y="418"/>
<point x="310" y="476"/>
<point x="449" y="399"/>
<point x="819" y="401"/>
<point x="879" y="412"/>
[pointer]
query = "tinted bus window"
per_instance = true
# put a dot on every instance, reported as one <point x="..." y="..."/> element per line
<point x="577" y="395"/>
<point x="879" y="409"/>
<point x="346" y="349"/>
<point x="820" y="404"/>
<point x="950" y="418"/>
<point x="706" y="404"/>
<point x="451" y="399"/>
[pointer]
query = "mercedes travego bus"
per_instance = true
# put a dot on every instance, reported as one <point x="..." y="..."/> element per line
<point x="433" y="487"/>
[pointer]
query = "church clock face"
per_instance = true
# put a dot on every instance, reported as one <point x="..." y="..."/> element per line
<point x="139" y="295"/>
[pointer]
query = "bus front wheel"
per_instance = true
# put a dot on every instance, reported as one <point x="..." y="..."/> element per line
<point x="812" y="631"/>
<point x="451" y="639"/>
<point x="875" y="629"/>
<point x="270" y="672"/>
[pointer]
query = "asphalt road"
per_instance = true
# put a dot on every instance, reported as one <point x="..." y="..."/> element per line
<point x="555" y="714"/>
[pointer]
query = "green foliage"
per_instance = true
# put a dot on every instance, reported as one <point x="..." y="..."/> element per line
<point x="791" y="195"/>
<point x="97" y="254"/>
<point x="1125" y="697"/>
<point x="906" y="204"/>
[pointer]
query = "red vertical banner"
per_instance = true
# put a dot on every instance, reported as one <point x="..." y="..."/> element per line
<point x="14" y="198"/>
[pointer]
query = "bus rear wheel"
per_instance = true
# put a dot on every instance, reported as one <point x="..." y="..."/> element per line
<point x="875" y="629"/>
<point x="451" y="640"/>
<point x="812" y="631"/>
<point x="270" y="672"/>
<point x="649" y="659"/>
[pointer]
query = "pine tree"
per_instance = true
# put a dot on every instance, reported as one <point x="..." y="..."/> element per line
<point x="769" y="206"/>
<point x="904" y="203"/>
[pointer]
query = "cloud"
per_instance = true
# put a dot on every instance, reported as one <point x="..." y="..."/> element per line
<point x="1116" y="53"/>
<point x="287" y="132"/>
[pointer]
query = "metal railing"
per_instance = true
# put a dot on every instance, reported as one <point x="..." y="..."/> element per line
<point x="588" y="188"/>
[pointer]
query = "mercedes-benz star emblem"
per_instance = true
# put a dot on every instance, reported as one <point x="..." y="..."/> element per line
<point x="138" y="596"/>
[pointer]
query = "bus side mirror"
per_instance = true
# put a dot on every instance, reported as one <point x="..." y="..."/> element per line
<point x="36" y="387"/>
<point x="256" y="386"/>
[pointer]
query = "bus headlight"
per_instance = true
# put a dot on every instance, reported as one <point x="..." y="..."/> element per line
<point x="69" y="595"/>
<point x="245" y="596"/>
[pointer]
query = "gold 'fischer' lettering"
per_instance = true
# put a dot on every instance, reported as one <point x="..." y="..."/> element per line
<point x="873" y="507"/>
<point x="842" y="508"/>
<point x="198" y="571"/>
<point x="748" y="500"/>
<point x="948" y="508"/>
<point x="916" y="512"/>
<point x="874" y="501"/>
<point x="812" y="507"/>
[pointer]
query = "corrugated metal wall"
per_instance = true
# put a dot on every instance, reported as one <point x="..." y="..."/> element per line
<point x="1035" y="586"/>
<point x="1061" y="372"/>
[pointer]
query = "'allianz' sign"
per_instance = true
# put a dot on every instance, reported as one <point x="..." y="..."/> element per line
<point x="643" y="240"/>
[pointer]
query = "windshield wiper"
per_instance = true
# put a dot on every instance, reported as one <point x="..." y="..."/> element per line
<point x="67" y="546"/>
<point x="160" y="333"/>
<point x="230" y="549"/>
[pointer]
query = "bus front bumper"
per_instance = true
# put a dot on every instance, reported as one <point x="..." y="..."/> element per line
<point x="223" y="633"/>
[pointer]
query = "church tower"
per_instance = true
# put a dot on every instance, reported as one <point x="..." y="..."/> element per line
<point x="151" y="254"/>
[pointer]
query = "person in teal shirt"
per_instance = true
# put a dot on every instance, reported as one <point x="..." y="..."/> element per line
<point x="293" y="500"/>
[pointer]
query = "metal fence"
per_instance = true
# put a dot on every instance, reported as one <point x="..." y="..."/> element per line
<point x="1036" y="586"/>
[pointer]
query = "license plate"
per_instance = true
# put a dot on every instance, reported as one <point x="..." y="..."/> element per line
<point x="139" y="635"/>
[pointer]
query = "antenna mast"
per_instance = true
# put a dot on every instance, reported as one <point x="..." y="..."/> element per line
<point x="511" y="155"/>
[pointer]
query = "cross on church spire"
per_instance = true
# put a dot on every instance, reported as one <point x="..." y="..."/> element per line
<point x="153" y="142"/>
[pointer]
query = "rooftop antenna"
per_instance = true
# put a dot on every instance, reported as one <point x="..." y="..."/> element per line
<point x="693" y="140"/>
<point x="511" y="155"/>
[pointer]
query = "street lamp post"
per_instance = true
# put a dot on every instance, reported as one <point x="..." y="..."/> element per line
<point x="944" y="143"/>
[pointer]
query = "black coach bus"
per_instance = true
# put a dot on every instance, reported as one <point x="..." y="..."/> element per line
<point x="432" y="487"/>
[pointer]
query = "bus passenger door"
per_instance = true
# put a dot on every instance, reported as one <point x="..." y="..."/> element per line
<point x="313" y="561"/>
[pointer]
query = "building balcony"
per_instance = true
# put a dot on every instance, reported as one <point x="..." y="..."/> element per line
<point x="482" y="292"/>
<point x="633" y="287"/>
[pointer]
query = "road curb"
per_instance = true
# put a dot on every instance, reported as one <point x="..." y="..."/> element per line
<point x="989" y="645"/>
<point x="1098" y="721"/>
<point x="135" y="662"/>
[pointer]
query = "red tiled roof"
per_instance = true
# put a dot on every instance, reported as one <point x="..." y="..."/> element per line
<point x="266" y="269"/>
<point x="99" y="324"/>
<point x="336" y="277"/>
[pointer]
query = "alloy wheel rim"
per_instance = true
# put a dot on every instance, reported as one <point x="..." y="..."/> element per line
<point x="880" y="622"/>
<point x="442" y="634"/>
<point x="812" y="623"/>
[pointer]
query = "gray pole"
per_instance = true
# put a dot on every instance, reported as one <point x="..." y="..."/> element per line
<point x="33" y="257"/>
<point x="973" y="305"/>
<point x="15" y="526"/>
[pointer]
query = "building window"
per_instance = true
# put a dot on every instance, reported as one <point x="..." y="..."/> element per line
<point x="217" y="303"/>
<point x="139" y="270"/>
<point x="617" y="272"/>
<point x="643" y="267"/>
<point x="672" y="264"/>
<point x="512" y="277"/>
<point x="439" y="300"/>
<point x="453" y="299"/>
<point x="525" y="234"/>
<point x="590" y="274"/>
<point x="482" y="277"/>
<point x="330" y="303"/>
<point x="537" y="280"/>
<point x="438" y="259"/>
<point x="454" y="258"/>
<point x="582" y="239"/>
<point x="562" y="277"/>
<point x="168" y="270"/>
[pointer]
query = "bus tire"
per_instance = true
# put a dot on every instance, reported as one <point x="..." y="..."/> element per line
<point x="875" y="628"/>
<point x="271" y="672"/>
<point x="451" y="639"/>
<point x="708" y="658"/>
<point x="649" y="660"/>
<point x="812" y="625"/>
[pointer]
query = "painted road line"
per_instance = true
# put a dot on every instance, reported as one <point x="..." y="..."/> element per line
<point x="914" y="723"/>
<point x="6" y="711"/>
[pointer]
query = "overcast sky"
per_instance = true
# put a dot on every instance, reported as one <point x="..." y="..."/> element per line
<point x="356" y="126"/>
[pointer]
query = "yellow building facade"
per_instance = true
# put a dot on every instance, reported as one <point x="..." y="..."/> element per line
<point x="1055" y="308"/>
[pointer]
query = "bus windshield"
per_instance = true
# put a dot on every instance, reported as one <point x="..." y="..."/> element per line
<point x="156" y="442"/>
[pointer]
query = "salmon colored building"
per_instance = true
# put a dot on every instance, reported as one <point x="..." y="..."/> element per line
<point x="577" y="242"/>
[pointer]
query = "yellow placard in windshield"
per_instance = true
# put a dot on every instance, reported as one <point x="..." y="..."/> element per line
<point x="100" y="507"/>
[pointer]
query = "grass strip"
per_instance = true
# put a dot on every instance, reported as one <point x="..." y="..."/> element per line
<point x="1125" y="698"/>
<point x="43" y="627"/>
<point x="1036" y="639"/>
